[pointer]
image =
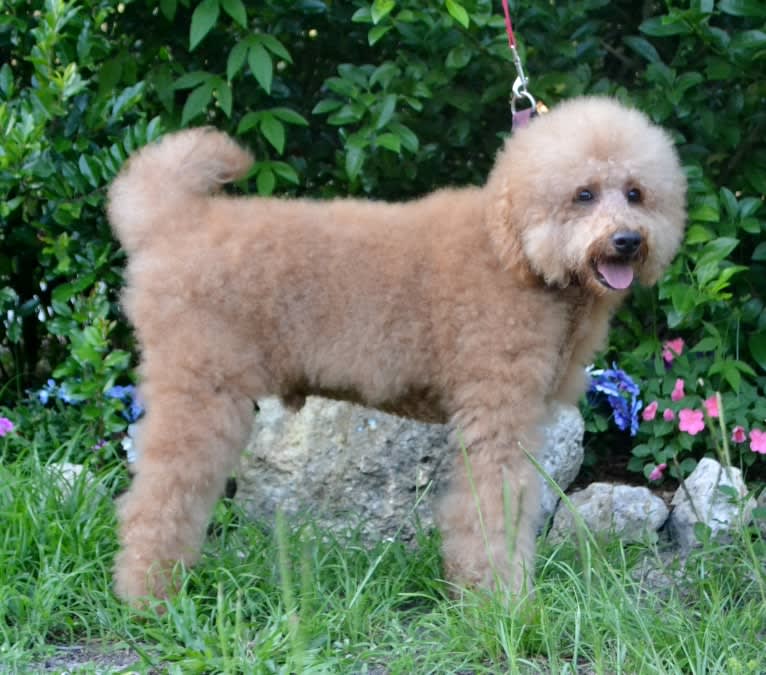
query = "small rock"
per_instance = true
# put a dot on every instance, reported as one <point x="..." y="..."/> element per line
<point x="631" y="513"/>
<point x="710" y="506"/>
<point x="67" y="475"/>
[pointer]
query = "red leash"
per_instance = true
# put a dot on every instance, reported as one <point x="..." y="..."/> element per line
<point x="509" y="26"/>
<point x="520" y="91"/>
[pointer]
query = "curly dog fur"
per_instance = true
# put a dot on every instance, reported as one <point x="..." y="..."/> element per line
<point x="477" y="306"/>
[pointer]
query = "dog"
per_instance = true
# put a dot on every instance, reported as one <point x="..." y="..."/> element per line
<point x="476" y="306"/>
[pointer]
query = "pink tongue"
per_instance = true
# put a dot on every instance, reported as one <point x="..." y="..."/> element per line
<point x="617" y="276"/>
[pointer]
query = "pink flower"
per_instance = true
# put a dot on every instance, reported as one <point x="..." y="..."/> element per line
<point x="649" y="412"/>
<point x="711" y="406"/>
<point x="6" y="426"/>
<point x="758" y="441"/>
<point x="668" y="415"/>
<point x="678" y="390"/>
<point x="671" y="349"/>
<point x="738" y="435"/>
<point x="657" y="471"/>
<point x="692" y="422"/>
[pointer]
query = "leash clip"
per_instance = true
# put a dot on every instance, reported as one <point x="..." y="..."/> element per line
<point x="520" y="92"/>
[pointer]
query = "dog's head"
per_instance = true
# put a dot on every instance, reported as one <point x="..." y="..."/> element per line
<point x="591" y="194"/>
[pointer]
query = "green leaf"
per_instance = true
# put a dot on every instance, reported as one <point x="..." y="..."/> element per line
<point x="457" y="12"/>
<point x="749" y="39"/>
<point x="275" y="47"/>
<point x="6" y="80"/>
<point x="729" y="201"/>
<point x="756" y="176"/>
<point x="705" y="212"/>
<point x="387" y="108"/>
<point x="643" y="48"/>
<point x="248" y="121"/>
<point x="289" y="116"/>
<point x="197" y="102"/>
<point x="168" y="8"/>
<point x="224" y="95"/>
<point x="203" y="20"/>
<point x="284" y="170"/>
<point x="90" y="170"/>
<point x="192" y="79"/>
<point x="362" y="15"/>
<point x="707" y="344"/>
<point x="390" y="142"/>
<point x="261" y="66"/>
<point x="118" y="360"/>
<point x="719" y="248"/>
<point x="236" y="10"/>
<point x="355" y="156"/>
<point x="326" y="105"/>
<point x="408" y="138"/>
<point x="348" y="114"/>
<point x="663" y="26"/>
<point x="274" y="131"/>
<point x="743" y="7"/>
<point x="237" y="58"/>
<point x="458" y="57"/>
<point x="380" y="9"/>
<point x="759" y="254"/>
<point x="698" y="234"/>
<point x="377" y="32"/>
<point x="266" y="181"/>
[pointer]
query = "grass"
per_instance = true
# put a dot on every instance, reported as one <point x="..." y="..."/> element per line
<point x="298" y="600"/>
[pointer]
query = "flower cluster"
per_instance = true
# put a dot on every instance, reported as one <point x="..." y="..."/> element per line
<point x="690" y="420"/>
<point x="129" y="396"/>
<point x="52" y="390"/>
<point x="6" y="426"/>
<point x="621" y="393"/>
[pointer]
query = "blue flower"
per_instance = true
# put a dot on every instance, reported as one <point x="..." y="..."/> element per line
<point x="621" y="393"/>
<point x="128" y="395"/>
<point x="64" y="395"/>
<point x="121" y="392"/>
<point x="50" y="389"/>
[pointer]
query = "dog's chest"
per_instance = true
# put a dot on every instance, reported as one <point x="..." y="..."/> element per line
<point x="584" y="332"/>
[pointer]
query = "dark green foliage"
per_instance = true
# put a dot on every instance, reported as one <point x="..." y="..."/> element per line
<point x="389" y="99"/>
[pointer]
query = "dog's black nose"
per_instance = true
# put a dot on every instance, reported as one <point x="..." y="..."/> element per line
<point x="626" y="243"/>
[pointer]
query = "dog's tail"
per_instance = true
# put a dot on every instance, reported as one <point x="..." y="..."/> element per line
<point x="158" y="191"/>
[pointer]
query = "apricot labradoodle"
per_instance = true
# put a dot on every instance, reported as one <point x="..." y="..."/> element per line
<point x="477" y="306"/>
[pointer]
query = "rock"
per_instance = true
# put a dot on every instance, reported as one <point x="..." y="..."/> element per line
<point x="353" y="467"/>
<point x="631" y="513"/>
<point x="67" y="475"/>
<point x="562" y="454"/>
<point x="710" y="506"/>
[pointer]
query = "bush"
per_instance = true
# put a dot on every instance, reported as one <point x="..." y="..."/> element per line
<point x="387" y="98"/>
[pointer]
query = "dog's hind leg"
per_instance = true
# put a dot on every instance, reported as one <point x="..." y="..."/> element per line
<point x="188" y="443"/>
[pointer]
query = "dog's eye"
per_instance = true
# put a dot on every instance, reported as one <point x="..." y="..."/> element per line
<point x="634" y="195"/>
<point x="584" y="195"/>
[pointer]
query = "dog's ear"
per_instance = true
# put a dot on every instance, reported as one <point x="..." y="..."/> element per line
<point x="504" y="229"/>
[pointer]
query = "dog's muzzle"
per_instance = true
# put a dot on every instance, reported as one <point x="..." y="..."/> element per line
<point x="615" y="271"/>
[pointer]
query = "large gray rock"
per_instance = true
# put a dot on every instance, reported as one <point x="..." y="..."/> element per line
<point x="630" y="513"/>
<point x="700" y="499"/>
<point x="562" y="454"/>
<point x="352" y="467"/>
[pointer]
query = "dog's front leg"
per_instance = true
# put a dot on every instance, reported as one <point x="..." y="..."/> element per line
<point x="489" y="515"/>
<point x="188" y="444"/>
